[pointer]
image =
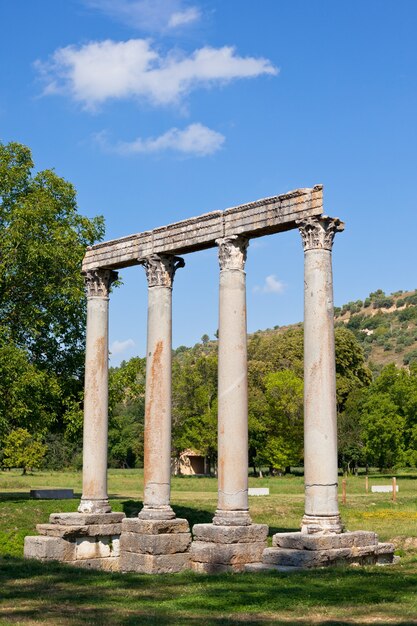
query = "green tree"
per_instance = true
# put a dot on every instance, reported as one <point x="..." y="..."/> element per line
<point x="42" y="303"/>
<point x="43" y="240"/>
<point x="283" y="444"/>
<point x="351" y="370"/>
<point x="194" y="406"/>
<point x="127" y="412"/>
<point x="23" y="450"/>
<point x="383" y="430"/>
<point x="30" y="397"/>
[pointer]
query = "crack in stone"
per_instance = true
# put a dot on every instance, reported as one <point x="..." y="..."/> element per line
<point x="233" y="493"/>
<point x="157" y="484"/>
<point x="322" y="485"/>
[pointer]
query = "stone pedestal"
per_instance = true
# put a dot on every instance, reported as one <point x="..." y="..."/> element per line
<point x="82" y="539"/>
<point x="300" y="550"/>
<point x="154" y="546"/>
<point x="226" y="548"/>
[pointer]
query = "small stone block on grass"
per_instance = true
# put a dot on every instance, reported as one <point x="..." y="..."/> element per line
<point x="383" y="489"/>
<point x="52" y="494"/>
<point x="258" y="491"/>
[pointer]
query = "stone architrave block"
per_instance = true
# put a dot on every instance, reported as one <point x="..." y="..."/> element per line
<point x="49" y="549"/>
<point x="230" y="534"/>
<point x="52" y="494"/>
<point x="155" y="527"/>
<point x="168" y="543"/>
<point x="96" y="547"/>
<point x="303" y="541"/>
<point x="84" y="519"/>
<point x="254" y="219"/>
<point x="236" y="554"/>
<point x="154" y="563"/>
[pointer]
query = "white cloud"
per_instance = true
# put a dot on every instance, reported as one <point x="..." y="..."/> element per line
<point x="196" y="139"/>
<point x="148" y="15"/>
<point x="118" y="347"/>
<point x="104" y="70"/>
<point x="271" y="285"/>
<point x="180" y="18"/>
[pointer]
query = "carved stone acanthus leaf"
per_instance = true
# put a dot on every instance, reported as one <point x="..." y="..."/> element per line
<point x="160" y="269"/>
<point x="232" y="252"/>
<point x="318" y="232"/>
<point x="98" y="282"/>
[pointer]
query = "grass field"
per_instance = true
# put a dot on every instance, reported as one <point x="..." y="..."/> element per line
<point x="55" y="594"/>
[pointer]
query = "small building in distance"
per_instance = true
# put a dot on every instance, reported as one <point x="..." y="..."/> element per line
<point x="190" y="463"/>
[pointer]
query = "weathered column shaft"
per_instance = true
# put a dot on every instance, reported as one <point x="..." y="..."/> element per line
<point x="95" y="498"/>
<point x="160" y="270"/>
<point x="233" y="507"/>
<point x="320" y="416"/>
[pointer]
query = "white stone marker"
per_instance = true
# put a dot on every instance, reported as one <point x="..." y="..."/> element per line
<point x="94" y="498"/>
<point x="383" y="488"/>
<point x="233" y="505"/>
<point x="258" y="491"/>
<point x="160" y="271"/>
<point x="320" y="425"/>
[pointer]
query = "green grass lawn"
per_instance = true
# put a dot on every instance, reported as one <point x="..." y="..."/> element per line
<point x="55" y="594"/>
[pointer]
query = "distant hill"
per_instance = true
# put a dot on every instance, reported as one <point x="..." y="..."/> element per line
<point x="385" y="325"/>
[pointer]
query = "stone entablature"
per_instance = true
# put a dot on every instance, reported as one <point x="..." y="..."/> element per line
<point x="262" y="217"/>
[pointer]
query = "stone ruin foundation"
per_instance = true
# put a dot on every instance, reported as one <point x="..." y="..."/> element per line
<point x="157" y="541"/>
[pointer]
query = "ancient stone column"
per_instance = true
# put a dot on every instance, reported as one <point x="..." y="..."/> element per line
<point x="95" y="498"/>
<point x="233" y="507"/>
<point x="320" y="425"/>
<point x="160" y="271"/>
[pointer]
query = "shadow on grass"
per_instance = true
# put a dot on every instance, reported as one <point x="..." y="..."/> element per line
<point x="53" y="594"/>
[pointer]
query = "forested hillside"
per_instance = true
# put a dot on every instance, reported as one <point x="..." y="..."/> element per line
<point x="376" y="366"/>
<point x="385" y="326"/>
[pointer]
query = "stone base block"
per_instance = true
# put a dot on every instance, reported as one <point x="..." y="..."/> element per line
<point x="230" y="534"/>
<point x="154" y="563"/>
<point x="154" y="546"/>
<point x="155" y="527"/>
<point x="226" y="548"/>
<point x="111" y="564"/>
<point x="86" y="540"/>
<point x="299" y="550"/>
<point x="48" y="549"/>
<point x="83" y="519"/>
<point x="302" y="541"/>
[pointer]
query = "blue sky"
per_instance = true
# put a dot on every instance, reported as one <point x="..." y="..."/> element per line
<point x="159" y="110"/>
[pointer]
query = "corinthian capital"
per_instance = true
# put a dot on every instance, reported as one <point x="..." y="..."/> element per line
<point x="318" y="232"/>
<point x="160" y="269"/>
<point x="232" y="252"/>
<point x="98" y="282"/>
